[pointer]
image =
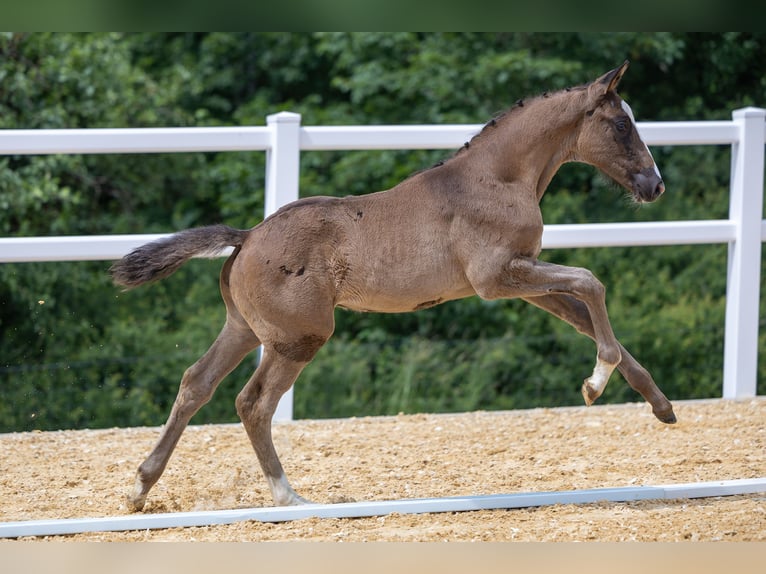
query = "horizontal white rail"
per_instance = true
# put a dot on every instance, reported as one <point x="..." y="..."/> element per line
<point x="111" y="247"/>
<point x="71" y="248"/>
<point x="212" y="139"/>
<point x="689" y="133"/>
<point x="386" y="137"/>
<point x="639" y="233"/>
<point x="133" y="140"/>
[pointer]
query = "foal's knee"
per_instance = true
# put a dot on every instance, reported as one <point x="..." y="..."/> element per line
<point x="610" y="355"/>
<point x="587" y="286"/>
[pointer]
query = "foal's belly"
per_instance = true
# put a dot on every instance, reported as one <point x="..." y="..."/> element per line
<point x="402" y="293"/>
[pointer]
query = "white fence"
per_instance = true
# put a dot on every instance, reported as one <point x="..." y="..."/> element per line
<point x="283" y="139"/>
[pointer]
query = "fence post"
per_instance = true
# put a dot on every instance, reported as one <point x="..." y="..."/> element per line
<point x="740" y="361"/>
<point x="282" y="176"/>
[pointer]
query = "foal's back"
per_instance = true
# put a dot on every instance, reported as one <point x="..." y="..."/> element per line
<point x="390" y="251"/>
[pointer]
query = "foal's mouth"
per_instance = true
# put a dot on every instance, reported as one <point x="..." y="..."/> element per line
<point x="647" y="186"/>
<point x="649" y="195"/>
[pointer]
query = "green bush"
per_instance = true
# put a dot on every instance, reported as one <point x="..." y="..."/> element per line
<point x="77" y="352"/>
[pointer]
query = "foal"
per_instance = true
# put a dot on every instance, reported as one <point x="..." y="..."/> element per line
<point x="469" y="226"/>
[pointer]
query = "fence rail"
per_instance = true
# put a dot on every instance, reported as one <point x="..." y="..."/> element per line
<point x="283" y="139"/>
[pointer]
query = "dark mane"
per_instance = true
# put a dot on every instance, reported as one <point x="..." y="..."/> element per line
<point x="505" y="114"/>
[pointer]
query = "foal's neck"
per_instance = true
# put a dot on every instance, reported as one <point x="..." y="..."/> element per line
<point x="529" y="142"/>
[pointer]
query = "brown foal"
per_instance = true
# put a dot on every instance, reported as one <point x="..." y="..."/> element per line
<point x="468" y="226"/>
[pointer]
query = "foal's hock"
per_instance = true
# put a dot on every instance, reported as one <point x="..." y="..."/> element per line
<point x="468" y="226"/>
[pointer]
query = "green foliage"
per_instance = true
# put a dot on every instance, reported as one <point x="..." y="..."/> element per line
<point x="78" y="353"/>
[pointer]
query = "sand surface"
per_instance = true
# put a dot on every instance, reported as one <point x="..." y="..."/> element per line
<point x="76" y="474"/>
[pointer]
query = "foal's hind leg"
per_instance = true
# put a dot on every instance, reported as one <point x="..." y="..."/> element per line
<point x="256" y="404"/>
<point x="197" y="386"/>
<point x="576" y="314"/>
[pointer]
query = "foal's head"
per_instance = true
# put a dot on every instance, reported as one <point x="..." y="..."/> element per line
<point x="609" y="140"/>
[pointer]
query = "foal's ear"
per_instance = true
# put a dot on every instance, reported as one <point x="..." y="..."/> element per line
<point x="612" y="78"/>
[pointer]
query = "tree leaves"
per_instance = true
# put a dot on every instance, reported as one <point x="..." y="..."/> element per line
<point x="92" y="356"/>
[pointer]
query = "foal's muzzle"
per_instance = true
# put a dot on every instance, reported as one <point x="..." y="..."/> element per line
<point x="647" y="185"/>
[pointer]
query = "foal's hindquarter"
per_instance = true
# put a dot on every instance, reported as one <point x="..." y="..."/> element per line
<point x="469" y="226"/>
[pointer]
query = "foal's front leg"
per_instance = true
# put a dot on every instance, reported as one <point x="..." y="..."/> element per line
<point x="526" y="277"/>
<point x="576" y="314"/>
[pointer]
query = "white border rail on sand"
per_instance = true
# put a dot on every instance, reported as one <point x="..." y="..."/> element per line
<point x="380" y="508"/>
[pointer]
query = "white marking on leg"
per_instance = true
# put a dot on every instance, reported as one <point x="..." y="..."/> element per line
<point x="594" y="385"/>
<point x="137" y="498"/>
<point x="282" y="493"/>
<point x="601" y="373"/>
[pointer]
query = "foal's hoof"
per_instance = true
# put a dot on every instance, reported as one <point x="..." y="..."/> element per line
<point x="668" y="416"/>
<point x="135" y="503"/>
<point x="292" y="499"/>
<point x="589" y="393"/>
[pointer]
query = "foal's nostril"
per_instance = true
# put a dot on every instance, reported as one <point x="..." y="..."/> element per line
<point x="647" y="185"/>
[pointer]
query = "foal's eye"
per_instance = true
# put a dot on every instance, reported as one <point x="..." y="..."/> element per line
<point x="622" y="124"/>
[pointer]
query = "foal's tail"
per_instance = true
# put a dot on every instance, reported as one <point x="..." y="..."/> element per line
<point x="158" y="259"/>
